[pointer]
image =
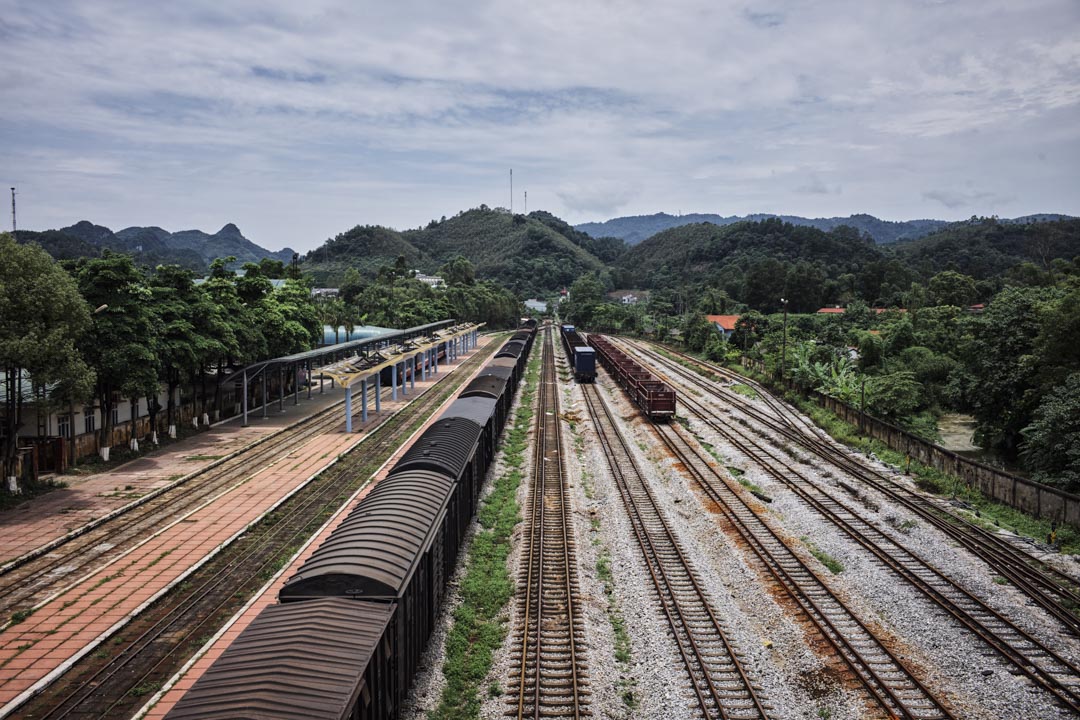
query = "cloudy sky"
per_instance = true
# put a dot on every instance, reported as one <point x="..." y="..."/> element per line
<point x="298" y="120"/>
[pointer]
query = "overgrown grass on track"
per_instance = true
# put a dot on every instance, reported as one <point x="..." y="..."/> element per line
<point x="479" y="626"/>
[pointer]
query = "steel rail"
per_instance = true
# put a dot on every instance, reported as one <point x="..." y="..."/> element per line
<point x="550" y="612"/>
<point x="721" y="685"/>
<point x="1045" y="667"/>
<point x="886" y="679"/>
<point x="1054" y="591"/>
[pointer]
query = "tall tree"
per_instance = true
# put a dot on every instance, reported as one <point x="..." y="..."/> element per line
<point x="42" y="316"/>
<point x="121" y="345"/>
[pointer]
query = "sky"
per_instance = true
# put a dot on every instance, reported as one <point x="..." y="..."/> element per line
<point x="298" y="120"/>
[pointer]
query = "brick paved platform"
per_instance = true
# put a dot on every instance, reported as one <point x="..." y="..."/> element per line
<point x="45" y="518"/>
<point x="172" y="694"/>
<point x="73" y="623"/>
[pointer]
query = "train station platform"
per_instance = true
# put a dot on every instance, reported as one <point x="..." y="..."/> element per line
<point x="71" y="624"/>
<point x="89" y="498"/>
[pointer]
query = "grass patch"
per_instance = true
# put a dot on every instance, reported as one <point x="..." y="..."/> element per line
<point x="626" y="685"/>
<point x="145" y="689"/>
<point x="834" y="565"/>
<point x="195" y="458"/>
<point x="19" y="615"/>
<point x="746" y="391"/>
<point x="479" y="623"/>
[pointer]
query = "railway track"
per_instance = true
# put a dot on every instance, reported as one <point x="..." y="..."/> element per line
<point x="887" y="683"/>
<point x="150" y="649"/>
<point x="1056" y="592"/>
<point x="552" y="675"/>
<point x="721" y="686"/>
<point x="30" y="581"/>
<point x="1031" y="657"/>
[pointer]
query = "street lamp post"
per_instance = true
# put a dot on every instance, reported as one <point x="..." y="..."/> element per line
<point x="783" y="351"/>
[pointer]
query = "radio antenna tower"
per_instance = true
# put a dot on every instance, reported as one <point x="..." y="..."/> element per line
<point x="511" y="191"/>
<point x="12" y="211"/>
<point x="526" y="202"/>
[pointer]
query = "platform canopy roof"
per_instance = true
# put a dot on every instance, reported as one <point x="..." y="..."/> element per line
<point x="358" y="367"/>
<point x="361" y="346"/>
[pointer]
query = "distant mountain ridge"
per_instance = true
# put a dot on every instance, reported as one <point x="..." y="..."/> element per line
<point x="153" y="245"/>
<point x="635" y="228"/>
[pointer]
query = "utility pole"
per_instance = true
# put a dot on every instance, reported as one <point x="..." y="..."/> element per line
<point x="13" y="212"/>
<point x="783" y="352"/>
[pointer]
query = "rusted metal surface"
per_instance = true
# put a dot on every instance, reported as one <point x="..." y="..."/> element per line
<point x="373" y="552"/>
<point x="303" y="660"/>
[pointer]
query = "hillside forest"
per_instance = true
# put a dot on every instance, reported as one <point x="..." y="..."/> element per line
<point x="909" y="343"/>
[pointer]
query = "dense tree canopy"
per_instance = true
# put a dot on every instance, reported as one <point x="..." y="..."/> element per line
<point x="42" y="317"/>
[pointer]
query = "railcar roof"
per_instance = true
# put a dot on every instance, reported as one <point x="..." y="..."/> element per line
<point x="294" y="661"/>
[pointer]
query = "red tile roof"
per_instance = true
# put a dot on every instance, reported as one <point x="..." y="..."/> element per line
<point x="831" y="311"/>
<point x="727" y="322"/>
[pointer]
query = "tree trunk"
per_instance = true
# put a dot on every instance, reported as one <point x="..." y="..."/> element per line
<point x="134" y="442"/>
<point x="202" y="403"/>
<point x="11" y="441"/>
<point x="217" y="391"/>
<point x="170" y="407"/>
<point x="105" y="434"/>
<point x="152" y="409"/>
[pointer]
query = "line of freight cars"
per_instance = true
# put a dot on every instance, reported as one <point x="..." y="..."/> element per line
<point x="351" y="625"/>
<point x="651" y="395"/>
<point x="582" y="357"/>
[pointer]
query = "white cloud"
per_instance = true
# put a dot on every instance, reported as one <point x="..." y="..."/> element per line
<point x="297" y="121"/>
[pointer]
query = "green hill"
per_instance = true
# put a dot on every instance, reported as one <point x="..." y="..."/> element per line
<point x="366" y="248"/>
<point x="754" y="262"/>
<point x="986" y="247"/>
<point x="526" y="254"/>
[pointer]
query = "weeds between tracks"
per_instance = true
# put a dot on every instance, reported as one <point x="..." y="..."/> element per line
<point x="479" y="622"/>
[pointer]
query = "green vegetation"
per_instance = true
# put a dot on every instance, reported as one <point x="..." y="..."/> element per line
<point x="479" y="622"/>
<point x="983" y="511"/>
<point x="530" y="255"/>
<point x="834" y="565"/>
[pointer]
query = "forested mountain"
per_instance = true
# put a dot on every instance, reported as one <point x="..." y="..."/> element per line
<point x="754" y="262"/>
<point x="635" y="229"/>
<point x="987" y="248"/>
<point x="757" y="263"/>
<point x="528" y="254"/>
<point x="150" y="246"/>
<point x="365" y="248"/>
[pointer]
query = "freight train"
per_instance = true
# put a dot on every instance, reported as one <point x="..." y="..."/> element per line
<point x="582" y="357"/>
<point x="651" y="395"/>
<point x="351" y="625"/>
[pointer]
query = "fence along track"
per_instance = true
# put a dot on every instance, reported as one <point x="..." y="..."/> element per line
<point x="552" y="675"/>
<point x="887" y="682"/>
<point x="1054" y="591"/>
<point x="721" y="686"/>
<point x="1045" y="667"/>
